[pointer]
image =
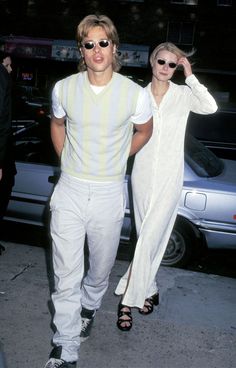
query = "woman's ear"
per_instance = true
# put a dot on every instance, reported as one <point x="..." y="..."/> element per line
<point x="114" y="49"/>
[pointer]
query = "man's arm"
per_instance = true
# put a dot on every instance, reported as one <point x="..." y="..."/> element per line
<point x="141" y="136"/>
<point x="58" y="134"/>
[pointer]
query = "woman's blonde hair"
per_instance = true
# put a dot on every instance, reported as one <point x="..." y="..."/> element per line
<point x="91" y="21"/>
<point x="168" y="46"/>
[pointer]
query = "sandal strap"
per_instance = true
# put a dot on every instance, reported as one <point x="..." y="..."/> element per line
<point x="149" y="304"/>
<point x="124" y="328"/>
<point x="150" y="301"/>
<point x="124" y="324"/>
<point x="122" y="313"/>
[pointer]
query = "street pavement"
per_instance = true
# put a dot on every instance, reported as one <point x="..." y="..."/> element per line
<point x="194" y="325"/>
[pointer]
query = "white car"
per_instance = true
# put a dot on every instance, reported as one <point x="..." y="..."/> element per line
<point x="207" y="211"/>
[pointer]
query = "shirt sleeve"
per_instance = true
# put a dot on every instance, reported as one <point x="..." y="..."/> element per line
<point x="202" y="102"/>
<point x="143" y="109"/>
<point x="57" y="108"/>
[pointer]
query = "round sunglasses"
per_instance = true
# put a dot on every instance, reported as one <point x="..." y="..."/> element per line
<point x="163" y="62"/>
<point x="91" y="44"/>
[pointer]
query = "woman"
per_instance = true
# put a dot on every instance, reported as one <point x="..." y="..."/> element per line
<point x="157" y="176"/>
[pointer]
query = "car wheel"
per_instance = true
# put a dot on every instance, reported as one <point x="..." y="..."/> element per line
<point x="181" y="246"/>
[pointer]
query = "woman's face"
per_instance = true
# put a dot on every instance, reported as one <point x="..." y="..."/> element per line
<point x="164" y="65"/>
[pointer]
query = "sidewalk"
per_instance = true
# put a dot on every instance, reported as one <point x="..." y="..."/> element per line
<point x="194" y="325"/>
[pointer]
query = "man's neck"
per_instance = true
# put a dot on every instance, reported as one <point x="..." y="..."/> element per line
<point x="99" y="78"/>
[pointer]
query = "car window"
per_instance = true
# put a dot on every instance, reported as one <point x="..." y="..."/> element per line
<point x="202" y="161"/>
<point x="33" y="142"/>
<point x="217" y="127"/>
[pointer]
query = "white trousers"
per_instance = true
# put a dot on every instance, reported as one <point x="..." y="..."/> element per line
<point x="81" y="208"/>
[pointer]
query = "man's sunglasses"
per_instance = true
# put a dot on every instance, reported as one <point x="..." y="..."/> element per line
<point x="163" y="62"/>
<point x="91" y="44"/>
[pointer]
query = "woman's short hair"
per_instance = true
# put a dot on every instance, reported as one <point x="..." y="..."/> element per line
<point x="91" y="21"/>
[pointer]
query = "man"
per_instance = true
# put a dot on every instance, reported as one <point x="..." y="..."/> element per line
<point x="7" y="164"/>
<point x="94" y="114"/>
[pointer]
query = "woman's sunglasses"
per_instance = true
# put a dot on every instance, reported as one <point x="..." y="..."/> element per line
<point x="91" y="44"/>
<point x="163" y="62"/>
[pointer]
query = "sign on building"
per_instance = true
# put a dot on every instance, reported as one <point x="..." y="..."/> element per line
<point x="134" y="55"/>
<point x="65" y="50"/>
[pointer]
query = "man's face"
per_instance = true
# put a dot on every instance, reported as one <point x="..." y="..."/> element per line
<point x="7" y="63"/>
<point x="99" y="56"/>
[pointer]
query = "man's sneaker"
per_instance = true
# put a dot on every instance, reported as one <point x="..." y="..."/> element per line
<point x="87" y="321"/>
<point x="59" y="363"/>
<point x="56" y="362"/>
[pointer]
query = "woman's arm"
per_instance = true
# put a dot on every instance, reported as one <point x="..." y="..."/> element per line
<point x="201" y="101"/>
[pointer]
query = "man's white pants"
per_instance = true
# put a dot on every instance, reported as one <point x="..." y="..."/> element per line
<point x="82" y="208"/>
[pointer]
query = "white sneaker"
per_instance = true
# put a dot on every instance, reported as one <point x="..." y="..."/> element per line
<point x="59" y="363"/>
<point x="87" y="322"/>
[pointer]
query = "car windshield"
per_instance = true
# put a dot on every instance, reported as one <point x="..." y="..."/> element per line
<point x="201" y="160"/>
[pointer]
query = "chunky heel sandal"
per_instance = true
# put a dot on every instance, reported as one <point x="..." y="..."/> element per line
<point x="149" y="304"/>
<point x="124" y="324"/>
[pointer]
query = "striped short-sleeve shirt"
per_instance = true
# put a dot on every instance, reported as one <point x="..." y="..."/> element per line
<point x="99" y="127"/>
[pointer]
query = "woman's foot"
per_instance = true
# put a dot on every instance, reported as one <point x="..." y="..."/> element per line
<point x="124" y="322"/>
<point x="149" y="304"/>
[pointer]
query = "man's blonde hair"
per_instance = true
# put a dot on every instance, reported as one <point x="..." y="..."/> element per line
<point x="91" y="21"/>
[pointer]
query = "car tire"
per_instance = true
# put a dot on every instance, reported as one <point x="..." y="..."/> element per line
<point x="181" y="247"/>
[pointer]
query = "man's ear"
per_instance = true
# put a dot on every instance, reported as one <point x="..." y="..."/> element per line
<point x="114" y="49"/>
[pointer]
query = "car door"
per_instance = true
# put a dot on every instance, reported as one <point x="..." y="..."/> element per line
<point x="37" y="172"/>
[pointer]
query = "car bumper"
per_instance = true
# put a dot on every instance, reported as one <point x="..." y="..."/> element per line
<point x="218" y="235"/>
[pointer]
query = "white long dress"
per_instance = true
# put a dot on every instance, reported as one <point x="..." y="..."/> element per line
<point x="157" y="180"/>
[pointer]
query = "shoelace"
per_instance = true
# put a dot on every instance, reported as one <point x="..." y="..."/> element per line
<point x="55" y="363"/>
<point x="85" y="323"/>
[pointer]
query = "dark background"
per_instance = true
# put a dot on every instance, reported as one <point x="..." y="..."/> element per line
<point x="207" y="26"/>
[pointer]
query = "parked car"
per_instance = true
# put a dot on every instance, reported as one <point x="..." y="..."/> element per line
<point x="207" y="211"/>
<point x="29" y="102"/>
<point x="216" y="131"/>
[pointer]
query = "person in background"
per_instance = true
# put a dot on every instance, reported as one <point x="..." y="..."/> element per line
<point x="7" y="163"/>
<point x="94" y="114"/>
<point x="157" y="176"/>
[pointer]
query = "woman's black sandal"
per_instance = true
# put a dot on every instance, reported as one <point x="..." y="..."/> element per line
<point x="149" y="304"/>
<point x="122" y="313"/>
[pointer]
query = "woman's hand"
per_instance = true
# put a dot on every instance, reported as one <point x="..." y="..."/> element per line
<point x="186" y="65"/>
